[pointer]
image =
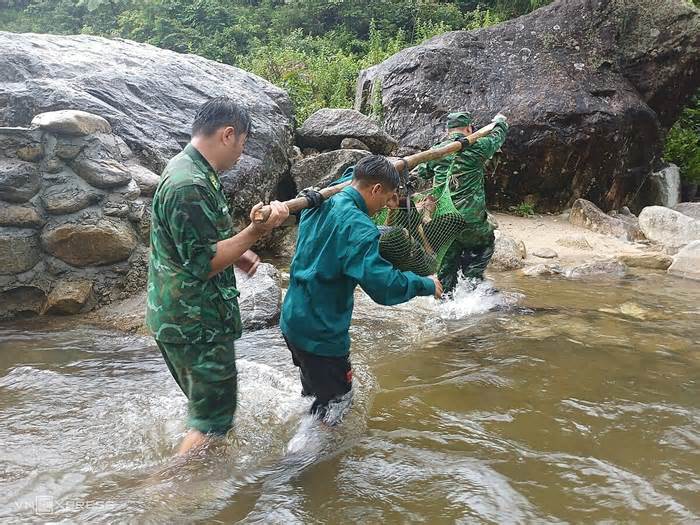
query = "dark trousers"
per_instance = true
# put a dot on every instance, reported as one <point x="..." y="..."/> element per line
<point x="326" y="378"/>
<point x="470" y="254"/>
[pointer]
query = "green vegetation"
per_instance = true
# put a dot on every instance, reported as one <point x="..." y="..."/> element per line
<point x="683" y="142"/>
<point x="524" y="209"/>
<point x="312" y="48"/>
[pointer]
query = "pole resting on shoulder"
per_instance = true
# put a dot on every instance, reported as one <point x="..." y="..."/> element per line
<point x="407" y="163"/>
<point x="312" y="196"/>
<point x="464" y="141"/>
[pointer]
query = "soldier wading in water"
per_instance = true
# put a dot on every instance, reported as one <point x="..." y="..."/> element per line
<point x="192" y="297"/>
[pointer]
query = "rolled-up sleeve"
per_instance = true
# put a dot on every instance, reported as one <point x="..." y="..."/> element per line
<point x="192" y="227"/>
<point x="383" y="283"/>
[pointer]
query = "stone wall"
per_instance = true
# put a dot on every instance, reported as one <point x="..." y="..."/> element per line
<point x="74" y="215"/>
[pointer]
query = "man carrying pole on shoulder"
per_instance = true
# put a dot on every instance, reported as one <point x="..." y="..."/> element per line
<point x="471" y="252"/>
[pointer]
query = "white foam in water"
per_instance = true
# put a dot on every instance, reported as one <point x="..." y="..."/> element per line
<point x="471" y="297"/>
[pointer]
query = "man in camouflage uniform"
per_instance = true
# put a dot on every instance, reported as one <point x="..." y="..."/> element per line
<point x="192" y="306"/>
<point x="471" y="252"/>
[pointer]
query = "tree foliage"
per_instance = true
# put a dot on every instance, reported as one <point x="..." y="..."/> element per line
<point x="683" y="142"/>
<point x="312" y="48"/>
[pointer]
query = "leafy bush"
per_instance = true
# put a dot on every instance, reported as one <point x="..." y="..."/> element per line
<point x="683" y="142"/>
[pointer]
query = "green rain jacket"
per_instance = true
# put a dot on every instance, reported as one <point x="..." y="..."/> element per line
<point x="467" y="166"/>
<point x="337" y="249"/>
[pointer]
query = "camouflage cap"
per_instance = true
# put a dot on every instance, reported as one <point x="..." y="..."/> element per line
<point x="459" y="119"/>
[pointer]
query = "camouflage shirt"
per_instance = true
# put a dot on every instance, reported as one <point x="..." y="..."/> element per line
<point x="466" y="167"/>
<point x="190" y="214"/>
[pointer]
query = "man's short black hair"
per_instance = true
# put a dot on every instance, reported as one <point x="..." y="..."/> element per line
<point x="377" y="169"/>
<point x="220" y="112"/>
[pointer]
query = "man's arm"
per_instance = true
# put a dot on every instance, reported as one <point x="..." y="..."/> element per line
<point x="383" y="283"/>
<point x="192" y="226"/>
<point x="230" y="250"/>
<point x="486" y="147"/>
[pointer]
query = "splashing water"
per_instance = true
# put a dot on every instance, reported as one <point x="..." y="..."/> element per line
<point x="550" y="401"/>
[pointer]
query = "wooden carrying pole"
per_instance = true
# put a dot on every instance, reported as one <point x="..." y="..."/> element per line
<point x="300" y="203"/>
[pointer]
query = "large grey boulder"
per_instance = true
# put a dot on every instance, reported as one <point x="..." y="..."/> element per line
<point x="587" y="215"/>
<point x="668" y="227"/>
<point x="508" y="254"/>
<point x="686" y="262"/>
<point x="320" y="170"/>
<point x="691" y="209"/>
<point x="81" y="244"/>
<point x="326" y="129"/>
<point x="589" y="88"/>
<point x="149" y="97"/>
<point x="261" y="297"/>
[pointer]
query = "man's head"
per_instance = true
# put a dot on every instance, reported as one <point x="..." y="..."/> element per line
<point x="460" y="122"/>
<point x="377" y="180"/>
<point x="219" y="132"/>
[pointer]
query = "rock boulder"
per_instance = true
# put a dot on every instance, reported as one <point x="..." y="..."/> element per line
<point x="69" y="297"/>
<point x="691" y="209"/>
<point x="19" y="180"/>
<point x="327" y="128"/>
<point x="71" y="122"/>
<point x="686" y="263"/>
<point x="589" y="88"/>
<point x="149" y="97"/>
<point x="261" y="297"/>
<point x="84" y="244"/>
<point x="587" y="215"/>
<point x="320" y="170"/>
<point x="668" y="227"/>
<point x="19" y="250"/>
<point x="507" y="255"/>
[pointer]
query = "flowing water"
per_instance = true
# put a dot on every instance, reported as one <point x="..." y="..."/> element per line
<point x="552" y="401"/>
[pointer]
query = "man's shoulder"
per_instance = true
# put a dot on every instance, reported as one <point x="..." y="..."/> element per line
<point x="181" y="178"/>
<point x="183" y="171"/>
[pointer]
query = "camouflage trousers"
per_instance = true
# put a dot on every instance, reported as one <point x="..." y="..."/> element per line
<point x="206" y="374"/>
<point x="470" y="253"/>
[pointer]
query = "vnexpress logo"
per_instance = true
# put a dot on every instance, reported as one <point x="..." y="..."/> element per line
<point x="44" y="505"/>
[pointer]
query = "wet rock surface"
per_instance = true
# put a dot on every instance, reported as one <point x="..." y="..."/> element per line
<point x="589" y="88"/>
<point x="261" y="297"/>
<point x="148" y="96"/>
<point x="327" y="128"/>
<point x="320" y="170"/>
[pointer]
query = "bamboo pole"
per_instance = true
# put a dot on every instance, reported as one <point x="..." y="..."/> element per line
<point x="412" y="161"/>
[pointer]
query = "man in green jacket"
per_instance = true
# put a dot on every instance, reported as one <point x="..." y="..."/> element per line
<point x="337" y="249"/>
<point x="192" y="307"/>
<point x="471" y="252"/>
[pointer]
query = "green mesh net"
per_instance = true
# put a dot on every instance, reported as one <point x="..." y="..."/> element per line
<point x="415" y="237"/>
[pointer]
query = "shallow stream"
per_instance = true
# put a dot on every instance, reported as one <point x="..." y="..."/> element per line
<point x="551" y="401"/>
